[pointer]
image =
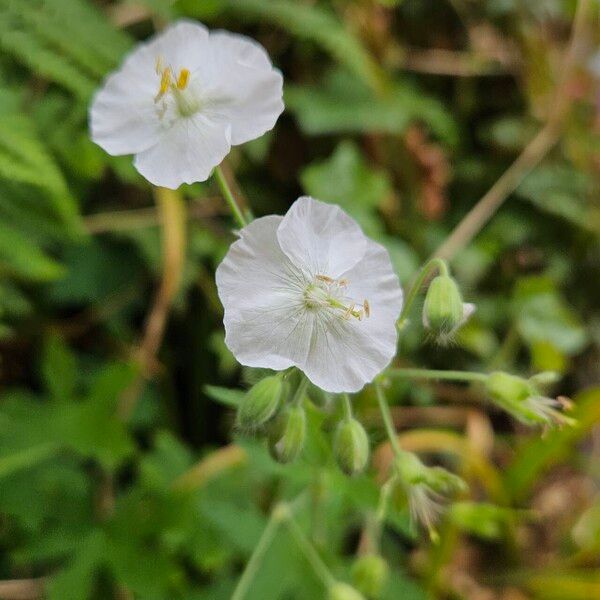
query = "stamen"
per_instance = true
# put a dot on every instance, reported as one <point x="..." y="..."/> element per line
<point x="183" y="79"/>
<point x="367" y="308"/>
<point x="165" y="83"/>
<point x="159" y="65"/>
<point x="324" y="278"/>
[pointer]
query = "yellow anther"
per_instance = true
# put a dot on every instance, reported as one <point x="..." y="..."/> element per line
<point x="343" y="282"/>
<point x="183" y="79"/>
<point x="165" y="82"/>
<point x="367" y="308"/>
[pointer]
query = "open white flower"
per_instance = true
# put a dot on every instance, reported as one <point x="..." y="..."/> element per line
<point x="311" y="290"/>
<point x="180" y="101"/>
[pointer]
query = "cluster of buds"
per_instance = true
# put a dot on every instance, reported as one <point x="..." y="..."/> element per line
<point x="444" y="311"/>
<point x="426" y="488"/>
<point x="525" y="398"/>
<point x="267" y="408"/>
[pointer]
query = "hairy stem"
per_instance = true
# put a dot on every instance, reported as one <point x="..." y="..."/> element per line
<point x="387" y="418"/>
<point x="436" y="374"/>
<point x="426" y="272"/>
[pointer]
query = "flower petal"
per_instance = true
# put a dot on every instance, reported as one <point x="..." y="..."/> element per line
<point x="250" y="96"/>
<point x="186" y="153"/>
<point x="345" y="354"/>
<point x="265" y="324"/>
<point x="321" y="238"/>
<point x="123" y="114"/>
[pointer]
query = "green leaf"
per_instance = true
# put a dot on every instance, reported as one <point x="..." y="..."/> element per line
<point x="59" y="369"/>
<point x="19" y="257"/>
<point x="226" y="396"/>
<point x="542" y="315"/>
<point x="342" y="104"/>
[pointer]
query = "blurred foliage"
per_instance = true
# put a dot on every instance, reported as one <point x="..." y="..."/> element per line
<point x="403" y="112"/>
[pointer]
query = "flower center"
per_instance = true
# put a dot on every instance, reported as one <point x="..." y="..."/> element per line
<point x="329" y="293"/>
<point x="186" y="101"/>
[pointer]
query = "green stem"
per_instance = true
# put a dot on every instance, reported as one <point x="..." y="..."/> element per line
<point x="230" y="198"/>
<point x="300" y="391"/>
<point x="347" y="405"/>
<point x="424" y="274"/>
<point x="316" y="562"/>
<point x="387" y="418"/>
<point x="433" y="374"/>
<point x="255" y="562"/>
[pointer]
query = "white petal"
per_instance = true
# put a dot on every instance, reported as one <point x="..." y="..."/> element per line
<point x="244" y="89"/>
<point x="345" y="354"/>
<point x="261" y="292"/>
<point x="123" y="116"/>
<point x="185" y="153"/>
<point x="321" y="238"/>
<point x="182" y="45"/>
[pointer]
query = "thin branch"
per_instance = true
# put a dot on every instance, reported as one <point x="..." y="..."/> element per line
<point x="532" y="155"/>
<point x="174" y="243"/>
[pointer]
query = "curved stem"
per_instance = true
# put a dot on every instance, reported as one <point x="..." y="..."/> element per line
<point x="426" y="272"/>
<point x="253" y="566"/>
<point x="316" y="562"/>
<point x="435" y="374"/>
<point x="347" y="406"/>
<point x="229" y="197"/>
<point x="387" y="418"/>
<point x="300" y="391"/>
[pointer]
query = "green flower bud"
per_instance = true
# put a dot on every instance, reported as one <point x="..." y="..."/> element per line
<point x="343" y="591"/>
<point x="410" y="468"/>
<point x="370" y="574"/>
<point x="444" y="311"/>
<point x="523" y="399"/>
<point x="351" y="446"/>
<point x="287" y="438"/>
<point x="260" y="403"/>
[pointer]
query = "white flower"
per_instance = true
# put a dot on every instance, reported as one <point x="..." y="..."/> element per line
<point x="180" y="101"/>
<point x="311" y="290"/>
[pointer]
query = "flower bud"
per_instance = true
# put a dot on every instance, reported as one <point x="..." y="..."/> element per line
<point x="523" y="399"/>
<point x="444" y="311"/>
<point x="343" y="591"/>
<point x="260" y="403"/>
<point x="287" y="439"/>
<point x="351" y="446"/>
<point x="370" y="574"/>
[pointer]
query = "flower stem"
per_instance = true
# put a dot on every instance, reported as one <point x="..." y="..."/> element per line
<point x="255" y="562"/>
<point x="426" y="272"/>
<point x="229" y="197"/>
<point x="300" y="391"/>
<point x="433" y="374"/>
<point x="347" y="405"/>
<point x="316" y="562"/>
<point x="387" y="418"/>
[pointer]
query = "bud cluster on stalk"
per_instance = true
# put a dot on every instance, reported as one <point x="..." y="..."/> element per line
<point x="269" y="408"/>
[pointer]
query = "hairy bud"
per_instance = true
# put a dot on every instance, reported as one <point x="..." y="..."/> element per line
<point x="343" y="591"/>
<point x="260" y="403"/>
<point x="288" y="436"/>
<point x="523" y="399"/>
<point x="444" y="311"/>
<point x="351" y="446"/>
<point x="370" y="574"/>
